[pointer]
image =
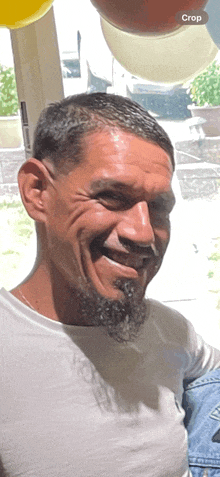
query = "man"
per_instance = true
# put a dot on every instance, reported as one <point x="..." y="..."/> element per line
<point x="93" y="373"/>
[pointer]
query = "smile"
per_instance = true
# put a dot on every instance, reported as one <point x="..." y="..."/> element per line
<point x="126" y="259"/>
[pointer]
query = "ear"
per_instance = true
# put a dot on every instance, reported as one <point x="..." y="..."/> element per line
<point x="34" y="183"/>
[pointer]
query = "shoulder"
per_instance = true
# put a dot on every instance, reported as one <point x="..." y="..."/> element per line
<point x="210" y="379"/>
<point x="171" y="325"/>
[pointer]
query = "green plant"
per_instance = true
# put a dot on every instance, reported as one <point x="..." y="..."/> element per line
<point x="214" y="256"/>
<point x="8" y="92"/>
<point x="205" y="88"/>
<point x="210" y="274"/>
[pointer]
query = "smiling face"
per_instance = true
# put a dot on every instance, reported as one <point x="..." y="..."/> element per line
<point x="108" y="219"/>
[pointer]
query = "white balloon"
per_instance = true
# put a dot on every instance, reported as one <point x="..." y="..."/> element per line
<point x="173" y="58"/>
<point x="213" y="24"/>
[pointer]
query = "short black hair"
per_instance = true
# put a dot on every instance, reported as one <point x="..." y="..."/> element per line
<point x="62" y="126"/>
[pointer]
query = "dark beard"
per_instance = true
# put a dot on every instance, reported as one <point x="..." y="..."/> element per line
<point x="121" y="318"/>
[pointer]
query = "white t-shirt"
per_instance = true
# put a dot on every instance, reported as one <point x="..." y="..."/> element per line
<point x="75" y="403"/>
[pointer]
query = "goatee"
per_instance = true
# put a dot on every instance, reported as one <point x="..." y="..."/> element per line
<point x="121" y="318"/>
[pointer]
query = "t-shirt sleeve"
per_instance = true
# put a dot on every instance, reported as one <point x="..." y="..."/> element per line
<point x="202" y="357"/>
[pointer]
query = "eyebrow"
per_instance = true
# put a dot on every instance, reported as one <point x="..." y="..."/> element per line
<point x="101" y="184"/>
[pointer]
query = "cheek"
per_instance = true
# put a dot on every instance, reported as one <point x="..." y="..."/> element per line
<point x="93" y="223"/>
<point x="80" y="226"/>
<point x="58" y="218"/>
<point x="69" y="239"/>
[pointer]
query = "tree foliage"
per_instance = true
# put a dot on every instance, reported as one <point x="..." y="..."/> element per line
<point x="8" y="92"/>
<point x="205" y="88"/>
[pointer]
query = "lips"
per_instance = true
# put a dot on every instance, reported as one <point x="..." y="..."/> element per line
<point x="112" y="260"/>
<point x="127" y="259"/>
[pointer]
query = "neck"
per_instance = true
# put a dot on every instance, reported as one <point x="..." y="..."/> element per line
<point x="46" y="291"/>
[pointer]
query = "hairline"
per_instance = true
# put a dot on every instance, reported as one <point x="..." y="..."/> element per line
<point x="101" y="128"/>
<point x="81" y="116"/>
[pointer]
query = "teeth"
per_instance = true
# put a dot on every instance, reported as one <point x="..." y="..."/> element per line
<point x="124" y="259"/>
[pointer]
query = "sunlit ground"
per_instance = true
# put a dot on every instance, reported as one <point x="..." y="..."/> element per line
<point x="17" y="243"/>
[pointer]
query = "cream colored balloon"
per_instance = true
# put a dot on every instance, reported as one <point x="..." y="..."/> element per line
<point x="172" y="58"/>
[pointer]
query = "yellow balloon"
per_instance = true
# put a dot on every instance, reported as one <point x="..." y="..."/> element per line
<point x="17" y="14"/>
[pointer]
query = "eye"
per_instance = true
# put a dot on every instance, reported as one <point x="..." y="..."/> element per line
<point x="160" y="211"/>
<point x="161" y="206"/>
<point x="158" y="207"/>
<point x="113" y="200"/>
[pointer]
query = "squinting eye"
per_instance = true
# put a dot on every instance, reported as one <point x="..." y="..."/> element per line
<point x="157" y="207"/>
<point x="161" y="207"/>
<point x="159" y="214"/>
<point x="108" y="196"/>
<point x="112" y="200"/>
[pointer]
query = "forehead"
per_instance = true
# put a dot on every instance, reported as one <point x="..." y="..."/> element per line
<point x="114" y="158"/>
<point x="117" y="152"/>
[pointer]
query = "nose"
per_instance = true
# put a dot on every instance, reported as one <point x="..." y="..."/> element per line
<point x="135" y="225"/>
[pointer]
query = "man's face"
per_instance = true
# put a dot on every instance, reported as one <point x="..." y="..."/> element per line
<point x="108" y="219"/>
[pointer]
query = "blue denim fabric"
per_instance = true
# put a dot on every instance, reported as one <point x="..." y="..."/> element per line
<point x="201" y="402"/>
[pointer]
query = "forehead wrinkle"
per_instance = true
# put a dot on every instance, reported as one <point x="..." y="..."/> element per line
<point x="136" y="164"/>
<point x="125" y="182"/>
<point x="129" y="172"/>
<point x="117" y="137"/>
<point x="145" y="163"/>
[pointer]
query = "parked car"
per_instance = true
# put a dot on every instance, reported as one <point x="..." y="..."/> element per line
<point x="91" y="64"/>
<point x="164" y="101"/>
<point x="79" y="70"/>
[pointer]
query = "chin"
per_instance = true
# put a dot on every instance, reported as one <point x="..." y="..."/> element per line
<point x="122" y="316"/>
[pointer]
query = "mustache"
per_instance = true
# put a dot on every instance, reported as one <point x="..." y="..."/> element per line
<point x="136" y="249"/>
